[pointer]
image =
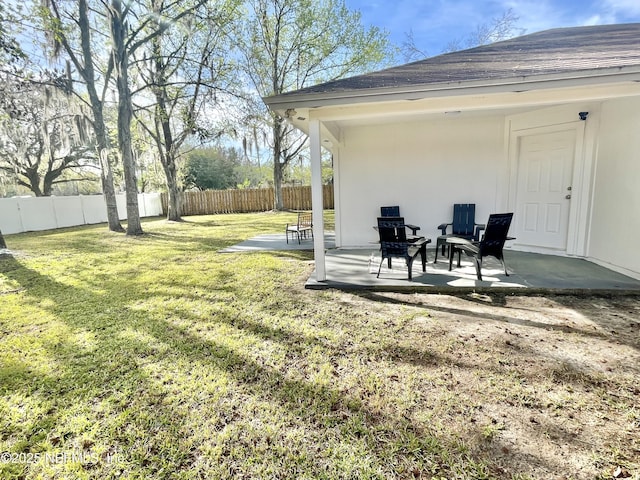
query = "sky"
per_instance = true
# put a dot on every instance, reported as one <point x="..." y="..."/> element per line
<point x="436" y="23"/>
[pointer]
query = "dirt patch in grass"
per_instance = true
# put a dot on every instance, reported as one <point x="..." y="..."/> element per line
<point x="536" y="387"/>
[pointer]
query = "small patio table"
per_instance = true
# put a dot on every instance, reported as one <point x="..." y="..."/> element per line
<point x="452" y="242"/>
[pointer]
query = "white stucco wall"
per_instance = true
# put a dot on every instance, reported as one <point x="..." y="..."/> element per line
<point x="615" y="225"/>
<point x="423" y="166"/>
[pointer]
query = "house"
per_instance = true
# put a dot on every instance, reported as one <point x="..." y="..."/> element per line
<point x="545" y="125"/>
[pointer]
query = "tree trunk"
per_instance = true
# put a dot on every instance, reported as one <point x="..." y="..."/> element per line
<point x="3" y="244"/>
<point x="134" y="227"/>
<point x="99" y="128"/>
<point x="278" y="203"/>
<point x="278" y="166"/>
<point x="34" y="181"/>
<point x="47" y="183"/>
<point x="174" y="212"/>
<point x="166" y="147"/>
<point x="121" y="62"/>
<point x="108" y="189"/>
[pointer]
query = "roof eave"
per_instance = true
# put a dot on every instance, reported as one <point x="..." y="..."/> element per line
<point x="488" y="86"/>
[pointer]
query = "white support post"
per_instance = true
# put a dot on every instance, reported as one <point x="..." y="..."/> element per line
<point x="317" y="200"/>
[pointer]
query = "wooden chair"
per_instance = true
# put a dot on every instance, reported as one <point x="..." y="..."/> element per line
<point x="462" y="226"/>
<point x="301" y="228"/>
<point x="492" y="243"/>
<point x="394" y="244"/>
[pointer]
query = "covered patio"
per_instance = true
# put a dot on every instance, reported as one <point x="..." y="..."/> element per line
<point x="543" y="126"/>
<point x="529" y="273"/>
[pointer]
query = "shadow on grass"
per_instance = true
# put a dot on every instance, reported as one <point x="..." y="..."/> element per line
<point x="470" y="315"/>
<point x="108" y="384"/>
<point x="97" y="401"/>
<point x="574" y="371"/>
<point x="114" y="375"/>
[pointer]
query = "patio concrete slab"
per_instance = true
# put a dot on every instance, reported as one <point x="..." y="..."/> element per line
<point x="276" y="242"/>
<point x="528" y="272"/>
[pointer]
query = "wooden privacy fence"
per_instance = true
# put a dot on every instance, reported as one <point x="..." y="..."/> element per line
<point x="247" y="200"/>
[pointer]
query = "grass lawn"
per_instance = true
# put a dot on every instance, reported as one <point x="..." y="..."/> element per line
<point x="158" y="357"/>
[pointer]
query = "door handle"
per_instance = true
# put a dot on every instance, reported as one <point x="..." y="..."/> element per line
<point x="568" y="197"/>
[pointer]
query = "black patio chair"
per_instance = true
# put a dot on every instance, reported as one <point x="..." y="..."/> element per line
<point x="463" y="226"/>
<point x="492" y="243"/>
<point x="394" y="243"/>
<point x="394" y="211"/>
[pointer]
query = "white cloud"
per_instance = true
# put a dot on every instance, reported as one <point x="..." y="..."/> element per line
<point x="536" y="15"/>
<point x="624" y="8"/>
<point x="595" y="20"/>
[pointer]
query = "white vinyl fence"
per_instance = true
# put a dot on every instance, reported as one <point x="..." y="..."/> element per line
<point x="24" y="214"/>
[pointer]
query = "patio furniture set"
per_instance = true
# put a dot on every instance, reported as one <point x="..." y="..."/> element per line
<point x="465" y="237"/>
<point x="474" y="239"/>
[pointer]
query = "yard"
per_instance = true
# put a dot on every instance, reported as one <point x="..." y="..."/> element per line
<point x="158" y="357"/>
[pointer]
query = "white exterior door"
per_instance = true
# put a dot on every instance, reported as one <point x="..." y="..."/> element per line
<point x="545" y="170"/>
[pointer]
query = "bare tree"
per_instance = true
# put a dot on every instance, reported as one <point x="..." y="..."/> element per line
<point x="410" y="49"/>
<point x="81" y="50"/>
<point x="127" y="38"/>
<point x="10" y="51"/>
<point x="183" y="68"/>
<point x="120" y="54"/>
<point x="132" y="26"/>
<point x="499" y="28"/>
<point x="291" y="44"/>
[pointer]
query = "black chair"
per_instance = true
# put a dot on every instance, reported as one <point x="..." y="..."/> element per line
<point x="463" y="226"/>
<point x="394" y="211"/>
<point x="394" y="243"/>
<point x="492" y="243"/>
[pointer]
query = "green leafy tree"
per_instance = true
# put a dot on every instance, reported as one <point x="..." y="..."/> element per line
<point x="211" y="169"/>
<point x="291" y="44"/>
<point x="251" y="175"/>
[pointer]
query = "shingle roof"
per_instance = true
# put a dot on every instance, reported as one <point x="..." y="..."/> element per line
<point x="557" y="51"/>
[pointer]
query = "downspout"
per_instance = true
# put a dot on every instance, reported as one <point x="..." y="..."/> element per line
<point x="317" y="205"/>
